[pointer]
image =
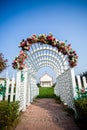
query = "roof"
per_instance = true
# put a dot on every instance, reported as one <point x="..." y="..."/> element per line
<point x="46" y="77"/>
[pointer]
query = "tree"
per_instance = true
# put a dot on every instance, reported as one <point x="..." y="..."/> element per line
<point x="54" y="85"/>
<point x="3" y="63"/>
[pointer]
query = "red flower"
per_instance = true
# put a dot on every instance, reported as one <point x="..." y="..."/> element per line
<point x="28" y="48"/>
<point x="29" y="40"/>
<point x="22" y="44"/>
<point x="83" y="90"/>
<point x="49" y="38"/>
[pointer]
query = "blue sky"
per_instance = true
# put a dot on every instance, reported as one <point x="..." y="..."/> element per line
<point x="66" y="19"/>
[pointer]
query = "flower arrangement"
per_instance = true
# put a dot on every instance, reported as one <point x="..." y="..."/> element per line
<point x="18" y="63"/>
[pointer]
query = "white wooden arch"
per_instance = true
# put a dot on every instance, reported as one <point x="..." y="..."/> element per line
<point x="45" y="51"/>
<point x="44" y="55"/>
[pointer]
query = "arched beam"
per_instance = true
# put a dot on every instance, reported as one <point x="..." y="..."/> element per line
<point x="38" y="55"/>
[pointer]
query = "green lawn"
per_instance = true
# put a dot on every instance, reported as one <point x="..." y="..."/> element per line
<point x="46" y="92"/>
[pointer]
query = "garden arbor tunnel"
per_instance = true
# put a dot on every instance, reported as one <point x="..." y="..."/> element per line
<point x="44" y="50"/>
<point x="46" y="56"/>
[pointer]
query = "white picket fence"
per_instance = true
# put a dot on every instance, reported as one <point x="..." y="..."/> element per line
<point x="79" y="82"/>
<point x="23" y="91"/>
<point x="10" y="89"/>
<point x="81" y="86"/>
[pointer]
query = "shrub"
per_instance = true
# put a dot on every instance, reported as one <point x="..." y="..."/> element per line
<point x="81" y="108"/>
<point x="8" y="113"/>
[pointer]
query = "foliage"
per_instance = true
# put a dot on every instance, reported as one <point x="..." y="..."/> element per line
<point x="8" y="113"/>
<point x="81" y="93"/>
<point x="54" y="85"/>
<point x="22" y="76"/>
<point x="81" y="108"/>
<point x="3" y="63"/>
<point x="38" y="84"/>
<point x="46" y="92"/>
<point x="61" y="46"/>
<point x="3" y="89"/>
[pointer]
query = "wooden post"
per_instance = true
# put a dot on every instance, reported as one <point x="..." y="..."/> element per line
<point x="12" y="89"/>
<point x="79" y="82"/>
<point x="84" y="82"/>
<point x="73" y="82"/>
<point x="18" y="81"/>
<point x="7" y="88"/>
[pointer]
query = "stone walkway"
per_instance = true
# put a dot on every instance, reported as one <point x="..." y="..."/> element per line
<point x="46" y="114"/>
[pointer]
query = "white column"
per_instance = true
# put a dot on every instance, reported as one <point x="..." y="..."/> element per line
<point x="30" y="88"/>
<point x="73" y="82"/>
<point x="12" y="89"/>
<point x="84" y="82"/>
<point x="18" y="81"/>
<point x="79" y="82"/>
<point x="28" y="93"/>
<point x="7" y="89"/>
<point x="25" y="89"/>
<point x="56" y="89"/>
<point x="28" y="103"/>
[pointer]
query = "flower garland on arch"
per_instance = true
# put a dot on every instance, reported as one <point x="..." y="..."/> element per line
<point x="18" y="63"/>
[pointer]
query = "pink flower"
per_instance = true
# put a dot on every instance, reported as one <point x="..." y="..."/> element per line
<point x="49" y="38"/>
<point x="21" y="52"/>
<point x="83" y="90"/>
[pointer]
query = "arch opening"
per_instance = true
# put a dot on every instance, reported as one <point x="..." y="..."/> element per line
<point x="45" y="70"/>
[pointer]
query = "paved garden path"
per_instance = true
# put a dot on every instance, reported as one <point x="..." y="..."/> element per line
<point x="46" y="114"/>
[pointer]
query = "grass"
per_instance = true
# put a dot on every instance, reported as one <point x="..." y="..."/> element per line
<point x="46" y="92"/>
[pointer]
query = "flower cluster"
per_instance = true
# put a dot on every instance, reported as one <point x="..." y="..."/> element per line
<point x="81" y="92"/>
<point x="50" y="40"/>
<point x="3" y="62"/>
<point x="18" y="63"/>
